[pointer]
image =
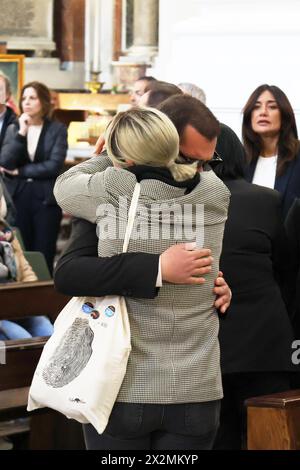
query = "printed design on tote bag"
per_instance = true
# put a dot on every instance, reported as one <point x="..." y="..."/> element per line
<point x="76" y="400"/>
<point x="110" y="311"/>
<point x="71" y="355"/>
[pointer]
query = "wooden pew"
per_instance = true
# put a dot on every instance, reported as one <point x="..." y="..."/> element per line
<point x="48" y="429"/>
<point x="273" y="421"/>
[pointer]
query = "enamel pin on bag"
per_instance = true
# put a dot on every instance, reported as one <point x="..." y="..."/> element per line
<point x="83" y="364"/>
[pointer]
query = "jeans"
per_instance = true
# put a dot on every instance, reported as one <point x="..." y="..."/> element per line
<point x="136" y="426"/>
<point x="25" y="328"/>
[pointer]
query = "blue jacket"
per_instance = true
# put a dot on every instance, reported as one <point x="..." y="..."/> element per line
<point x="288" y="184"/>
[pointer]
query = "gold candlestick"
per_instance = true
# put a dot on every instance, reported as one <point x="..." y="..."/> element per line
<point x="94" y="85"/>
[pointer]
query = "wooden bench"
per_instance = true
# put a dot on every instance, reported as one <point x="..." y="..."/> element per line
<point x="48" y="429"/>
<point x="273" y="421"/>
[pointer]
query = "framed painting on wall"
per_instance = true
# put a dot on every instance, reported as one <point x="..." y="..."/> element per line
<point x="12" y="66"/>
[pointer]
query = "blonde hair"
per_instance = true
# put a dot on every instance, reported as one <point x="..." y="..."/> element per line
<point x="146" y="136"/>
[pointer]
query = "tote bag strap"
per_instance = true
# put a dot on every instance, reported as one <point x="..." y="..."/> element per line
<point x="131" y="215"/>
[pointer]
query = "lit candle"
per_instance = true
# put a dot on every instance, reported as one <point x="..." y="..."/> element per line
<point x="96" y="61"/>
<point x="87" y="41"/>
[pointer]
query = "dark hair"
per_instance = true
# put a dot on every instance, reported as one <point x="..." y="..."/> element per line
<point x="43" y="94"/>
<point x="146" y="78"/>
<point x="185" y="110"/>
<point x="288" y="144"/>
<point x="160" y="91"/>
<point x="158" y="84"/>
<point x="230" y="149"/>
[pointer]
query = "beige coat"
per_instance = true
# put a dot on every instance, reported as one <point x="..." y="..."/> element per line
<point x="25" y="272"/>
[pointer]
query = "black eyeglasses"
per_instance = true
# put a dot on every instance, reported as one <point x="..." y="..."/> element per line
<point x="213" y="162"/>
<point x="216" y="159"/>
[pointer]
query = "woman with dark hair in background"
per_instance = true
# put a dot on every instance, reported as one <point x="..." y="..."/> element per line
<point x="32" y="157"/>
<point x="255" y="335"/>
<point x="271" y="142"/>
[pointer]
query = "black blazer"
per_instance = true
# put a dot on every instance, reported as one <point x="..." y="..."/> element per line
<point x="256" y="333"/>
<point x="288" y="184"/>
<point x="80" y="272"/>
<point x="293" y="232"/>
<point x="9" y="118"/>
<point x="228" y="143"/>
<point x="49" y="158"/>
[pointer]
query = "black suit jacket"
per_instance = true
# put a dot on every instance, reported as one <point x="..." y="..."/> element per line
<point x="9" y="118"/>
<point x="228" y="143"/>
<point x="256" y="333"/>
<point x="80" y="272"/>
<point x="288" y="184"/>
<point x="49" y="158"/>
<point x="293" y="232"/>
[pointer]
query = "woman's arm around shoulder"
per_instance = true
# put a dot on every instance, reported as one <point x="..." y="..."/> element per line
<point x="80" y="190"/>
<point x="80" y="272"/>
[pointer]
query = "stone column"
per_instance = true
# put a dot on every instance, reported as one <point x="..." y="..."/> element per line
<point x="69" y="16"/>
<point x="145" y="29"/>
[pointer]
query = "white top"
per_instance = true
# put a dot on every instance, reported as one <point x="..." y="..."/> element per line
<point x="265" y="171"/>
<point x="33" y="136"/>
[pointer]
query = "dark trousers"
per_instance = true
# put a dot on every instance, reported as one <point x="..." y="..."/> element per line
<point x="232" y="433"/>
<point x="135" y="426"/>
<point x="39" y="223"/>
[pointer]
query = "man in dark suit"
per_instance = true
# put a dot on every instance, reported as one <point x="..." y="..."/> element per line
<point x="7" y="117"/>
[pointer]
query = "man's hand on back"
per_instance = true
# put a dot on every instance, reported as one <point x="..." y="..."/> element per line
<point x="181" y="264"/>
<point x="223" y="293"/>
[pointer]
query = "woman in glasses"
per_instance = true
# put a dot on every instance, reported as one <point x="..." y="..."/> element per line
<point x="271" y="142"/>
<point x="256" y="334"/>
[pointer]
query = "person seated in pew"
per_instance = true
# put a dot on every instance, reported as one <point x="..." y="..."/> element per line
<point x="14" y="267"/>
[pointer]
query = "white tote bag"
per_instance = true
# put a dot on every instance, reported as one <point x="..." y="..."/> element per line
<point x="83" y="364"/>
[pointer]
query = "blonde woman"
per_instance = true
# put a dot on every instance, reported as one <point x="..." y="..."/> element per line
<point x="170" y="397"/>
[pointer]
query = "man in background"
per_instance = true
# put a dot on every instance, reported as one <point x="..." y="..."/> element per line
<point x="139" y="88"/>
<point x="7" y="115"/>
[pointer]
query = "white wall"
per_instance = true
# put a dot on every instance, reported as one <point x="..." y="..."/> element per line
<point x="229" y="47"/>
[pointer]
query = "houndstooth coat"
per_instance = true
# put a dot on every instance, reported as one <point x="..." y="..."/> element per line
<point x="175" y="349"/>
